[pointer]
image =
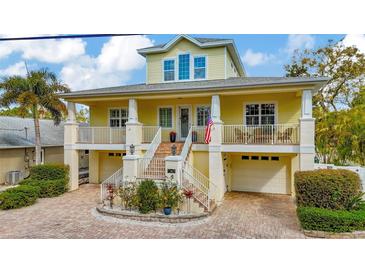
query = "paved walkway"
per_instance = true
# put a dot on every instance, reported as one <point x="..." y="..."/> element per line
<point x="71" y="215"/>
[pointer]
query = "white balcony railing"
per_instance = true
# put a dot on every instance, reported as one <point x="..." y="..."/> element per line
<point x="261" y="134"/>
<point x="198" y="134"/>
<point x="148" y="133"/>
<point x="101" y="135"/>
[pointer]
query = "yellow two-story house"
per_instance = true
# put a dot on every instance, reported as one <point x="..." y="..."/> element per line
<point x="262" y="131"/>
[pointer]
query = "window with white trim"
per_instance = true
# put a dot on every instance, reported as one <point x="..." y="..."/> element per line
<point x="200" y="66"/>
<point x="118" y="117"/>
<point x="184" y="66"/>
<point x="165" y="117"/>
<point x="169" y="70"/>
<point x="202" y="115"/>
<point x="260" y="114"/>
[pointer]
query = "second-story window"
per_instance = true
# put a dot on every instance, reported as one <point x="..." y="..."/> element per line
<point x="199" y="67"/>
<point x="118" y="117"/>
<point x="202" y="115"/>
<point x="184" y="66"/>
<point x="260" y="114"/>
<point x="169" y="70"/>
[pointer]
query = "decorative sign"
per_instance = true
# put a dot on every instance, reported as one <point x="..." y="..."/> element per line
<point x="171" y="170"/>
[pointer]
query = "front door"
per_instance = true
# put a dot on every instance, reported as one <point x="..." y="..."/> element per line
<point x="184" y="122"/>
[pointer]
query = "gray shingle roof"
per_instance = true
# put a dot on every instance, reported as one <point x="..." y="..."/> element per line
<point x="14" y="134"/>
<point x="209" y="85"/>
<point x="201" y="40"/>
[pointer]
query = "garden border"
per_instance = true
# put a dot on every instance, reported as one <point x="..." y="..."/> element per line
<point x="334" y="235"/>
<point x="151" y="217"/>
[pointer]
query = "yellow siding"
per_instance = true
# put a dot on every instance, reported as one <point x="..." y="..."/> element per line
<point x="13" y="159"/>
<point x="215" y="61"/>
<point x="53" y="155"/>
<point x="288" y="104"/>
<point x="230" y="66"/>
<point x="201" y="161"/>
<point x="109" y="164"/>
<point x="99" y="113"/>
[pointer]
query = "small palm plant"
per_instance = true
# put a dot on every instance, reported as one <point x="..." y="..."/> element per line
<point x="36" y="93"/>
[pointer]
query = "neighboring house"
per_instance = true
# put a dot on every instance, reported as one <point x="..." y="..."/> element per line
<point x="17" y="145"/>
<point x="262" y="132"/>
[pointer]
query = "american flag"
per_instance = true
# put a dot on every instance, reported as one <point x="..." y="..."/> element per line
<point x="208" y="131"/>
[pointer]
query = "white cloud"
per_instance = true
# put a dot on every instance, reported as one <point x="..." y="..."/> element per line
<point x="113" y="66"/>
<point x="50" y="51"/>
<point x="299" y="41"/>
<point x="16" y="69"/>
<point x="357" y="40"/>
<point x="252" y="58"/>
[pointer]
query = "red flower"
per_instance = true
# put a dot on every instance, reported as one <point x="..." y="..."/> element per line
<point x="188" y="193"/>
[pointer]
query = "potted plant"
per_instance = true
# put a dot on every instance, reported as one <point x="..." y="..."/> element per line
<point x="172" y="136"/>
<point x="170" y="197"/>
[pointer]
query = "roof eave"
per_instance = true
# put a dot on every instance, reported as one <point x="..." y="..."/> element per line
<point x="316" y="85"/>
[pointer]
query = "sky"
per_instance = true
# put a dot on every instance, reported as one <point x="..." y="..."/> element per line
<point x="104" y="62"/>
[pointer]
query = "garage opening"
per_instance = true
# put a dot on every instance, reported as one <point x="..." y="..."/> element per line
<point x="260" y="173"/>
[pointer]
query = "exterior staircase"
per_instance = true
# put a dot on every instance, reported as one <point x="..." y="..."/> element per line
<point x="155" y="168"/>
<point x="164" y="149"/>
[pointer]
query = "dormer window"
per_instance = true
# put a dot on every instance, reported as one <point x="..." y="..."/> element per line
<point x="184" y="67"/>
<point x="199" y="67"/>
<point x="169" y="70"/>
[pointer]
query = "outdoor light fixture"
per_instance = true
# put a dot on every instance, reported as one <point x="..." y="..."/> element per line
<point x="132" y="149"/>
<point x="173" y="150"/>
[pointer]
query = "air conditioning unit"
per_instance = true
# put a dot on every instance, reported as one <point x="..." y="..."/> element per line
<point x="14" y="177"/>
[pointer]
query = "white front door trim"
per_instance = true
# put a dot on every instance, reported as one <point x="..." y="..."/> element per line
<point x="178" y="121"/>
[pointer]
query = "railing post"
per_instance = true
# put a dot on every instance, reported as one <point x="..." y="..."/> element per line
<point x="173" y="168"/>
<point x="272" y="134"/>
<point x="92" y="135"/>
<point x="110" y="135"/>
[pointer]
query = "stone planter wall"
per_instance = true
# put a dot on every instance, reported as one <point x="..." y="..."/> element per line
<point x="335" y="235"/>
<point x="151" y="217"/>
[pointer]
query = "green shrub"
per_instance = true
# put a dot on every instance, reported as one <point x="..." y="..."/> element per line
<point x="312" y="218"/>
<point x="326" y="188"/>
<point x="148" y="196"/>
<point x="170" y="195"/>
<point x="49" y="172"/>
<point x="48" y="188"/>
<point x="19" y="196"/>
<point x="128" y="195"/>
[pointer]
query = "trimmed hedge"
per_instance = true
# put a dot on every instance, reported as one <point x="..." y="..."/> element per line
<point x="326" y="188"/>
<point x="48" y="188"/>
<point x="49" y="172"/>
<point x="44" y="181"/>
<point x="19" y="196"/>
<point x="312" y="218"/>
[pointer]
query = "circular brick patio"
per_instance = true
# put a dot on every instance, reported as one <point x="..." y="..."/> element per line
<point x="72" y="215"/>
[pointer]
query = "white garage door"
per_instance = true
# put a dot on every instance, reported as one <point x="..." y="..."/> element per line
<point x="268" y="174"/>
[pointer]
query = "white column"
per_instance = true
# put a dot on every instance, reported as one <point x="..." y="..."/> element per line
<point x="71" y="155"/>
<point x="307" y="129"/>
<point x="130" y="167"/>
<point x="133" y="127"/>
<point x="216" y="174"/>
<point x="173" y="166"/>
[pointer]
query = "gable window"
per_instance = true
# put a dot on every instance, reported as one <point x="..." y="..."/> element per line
<point x="199" y="67"/>
<point x="260" y="114"/>
<point x="118" y="117"/>
<point x="202" y="115"/>
<point x="169" y="70"/>
<point x="165" y="117"/>
<point x="184" y="66"/>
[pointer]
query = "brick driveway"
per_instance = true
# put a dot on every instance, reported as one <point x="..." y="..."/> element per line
<point x="241" y="215"/>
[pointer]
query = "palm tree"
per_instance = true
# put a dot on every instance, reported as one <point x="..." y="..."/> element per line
<point x="36" y="93"/>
